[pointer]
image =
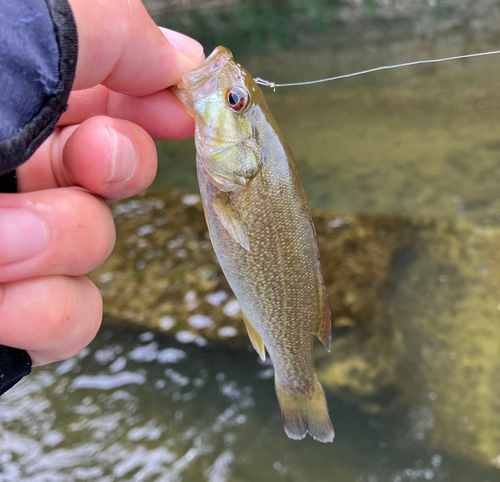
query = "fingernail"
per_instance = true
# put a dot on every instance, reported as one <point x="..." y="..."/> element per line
<point x="184" y="44"/>
<point x="23" y="235"/>
<point x="124" y="157"/>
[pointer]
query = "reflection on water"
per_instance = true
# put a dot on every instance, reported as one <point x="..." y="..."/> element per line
<point x="135" y="406"/>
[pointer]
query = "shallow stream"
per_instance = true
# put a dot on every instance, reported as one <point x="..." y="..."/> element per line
<point x="140" y="406"/>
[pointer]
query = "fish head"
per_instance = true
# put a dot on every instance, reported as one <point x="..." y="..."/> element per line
<point x="227" y="105"/>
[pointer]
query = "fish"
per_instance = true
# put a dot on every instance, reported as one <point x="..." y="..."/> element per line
<point x="262" y="232"/>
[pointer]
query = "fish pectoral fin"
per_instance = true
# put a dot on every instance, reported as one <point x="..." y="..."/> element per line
<point x="254" y="336"/>
<point x="230" y="218"/>
<point x="324" y="328"/>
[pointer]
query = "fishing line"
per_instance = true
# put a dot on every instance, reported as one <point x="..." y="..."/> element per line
<point x="273" y="85"/>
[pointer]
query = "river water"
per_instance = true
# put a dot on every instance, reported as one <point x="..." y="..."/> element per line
<point x="139" y="406"/>
<point x="420" y="140"/>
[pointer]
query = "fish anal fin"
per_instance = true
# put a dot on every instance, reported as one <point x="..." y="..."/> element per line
<point x="324" y="328"/>
<point x="230" y="218"/>
<point x="304" y="413"/>
<point x="254" y="336"/>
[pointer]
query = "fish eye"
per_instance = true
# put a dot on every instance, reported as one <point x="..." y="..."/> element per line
<point x="237" y="98"/>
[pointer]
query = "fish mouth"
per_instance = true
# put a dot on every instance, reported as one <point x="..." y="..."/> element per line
<point x="210" y="67"/>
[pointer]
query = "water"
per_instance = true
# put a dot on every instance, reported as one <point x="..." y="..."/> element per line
<point x="136" y="406"/>
<point x="139" y="406"/>
<point x="419" y="140"/>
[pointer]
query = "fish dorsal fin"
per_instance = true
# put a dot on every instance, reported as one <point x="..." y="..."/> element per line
<point x="324" y="328"/>
<point x="255" y="338"/>
<point x="230" y="218"/>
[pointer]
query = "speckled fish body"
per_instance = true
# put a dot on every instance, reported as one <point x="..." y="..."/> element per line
<point x="261" y="229"/>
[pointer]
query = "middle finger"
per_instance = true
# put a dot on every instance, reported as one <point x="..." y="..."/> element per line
<point x="55" y="232"/>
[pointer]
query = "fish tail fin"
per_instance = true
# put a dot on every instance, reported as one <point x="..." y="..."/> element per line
<point x="305" y="413"/>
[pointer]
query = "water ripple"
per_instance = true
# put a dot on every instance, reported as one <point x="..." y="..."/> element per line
<point x="109" y="382"/>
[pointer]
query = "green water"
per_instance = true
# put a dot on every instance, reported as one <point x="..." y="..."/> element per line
<point x="139" y="406"/>
<point x="421" y="140"/>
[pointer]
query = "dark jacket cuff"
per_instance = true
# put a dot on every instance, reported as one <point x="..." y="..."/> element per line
<point x="42" y="121"/>
<point x="14" y="365"/>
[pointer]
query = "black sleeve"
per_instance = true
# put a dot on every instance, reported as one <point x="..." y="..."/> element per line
<point x="14" y="365"/>
<point x="36" y="74"/>
<point x="39" y="49"/>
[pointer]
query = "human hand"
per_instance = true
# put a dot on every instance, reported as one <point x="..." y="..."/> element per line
<point x="57" y="227"/>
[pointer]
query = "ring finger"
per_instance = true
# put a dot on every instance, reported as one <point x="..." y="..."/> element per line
<point x="55" y="232"/>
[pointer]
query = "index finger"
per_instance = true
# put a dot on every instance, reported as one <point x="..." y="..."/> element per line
<point x="122" y="48"/>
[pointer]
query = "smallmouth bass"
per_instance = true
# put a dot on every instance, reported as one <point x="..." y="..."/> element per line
<point x="262" y="232"/>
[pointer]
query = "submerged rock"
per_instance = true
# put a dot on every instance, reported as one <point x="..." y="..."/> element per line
<point x="163" y="274"/>
<point x="415" y="310"/>
<point x="447" y="307"/>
